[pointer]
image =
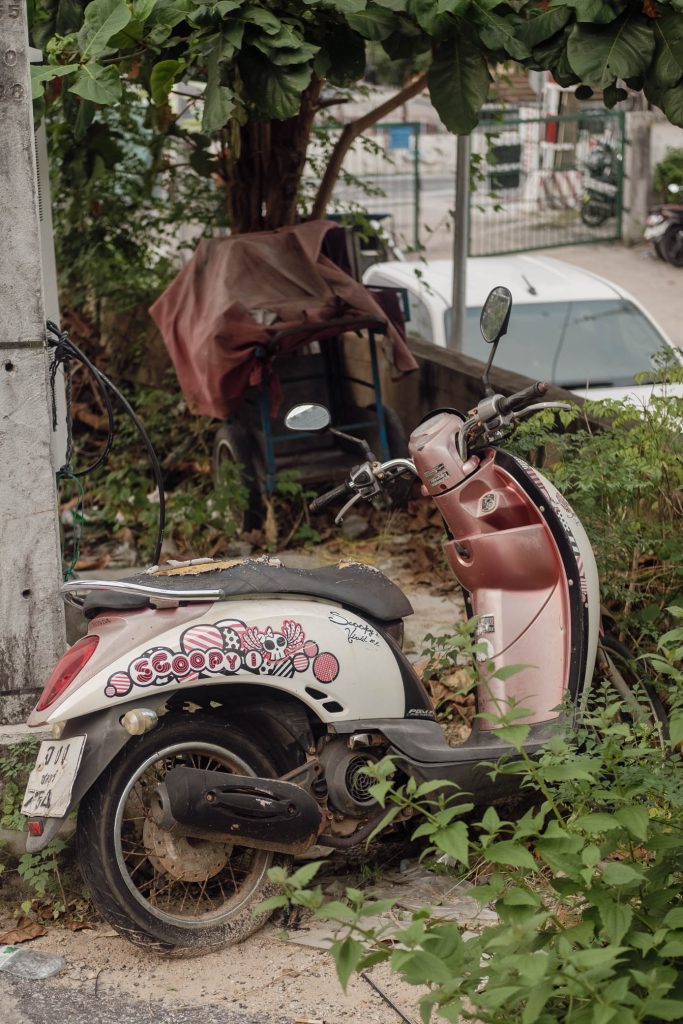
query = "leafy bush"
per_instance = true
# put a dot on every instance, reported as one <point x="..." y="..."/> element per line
<point x="587" y="884"/>
<point x="625" y="483"/>
<point x="669" y="171"/>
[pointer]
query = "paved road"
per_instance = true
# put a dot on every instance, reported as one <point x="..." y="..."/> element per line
<point x="48" y="1002"/>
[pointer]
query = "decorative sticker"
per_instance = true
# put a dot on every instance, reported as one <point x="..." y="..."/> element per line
<point x="229" y="647"/>
<point x="355" y="631"/>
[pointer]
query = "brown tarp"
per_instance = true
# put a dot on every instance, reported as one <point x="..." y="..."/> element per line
<point x="211" y="316"/>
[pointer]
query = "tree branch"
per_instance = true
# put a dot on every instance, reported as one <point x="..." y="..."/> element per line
<point x="350" y="133"/>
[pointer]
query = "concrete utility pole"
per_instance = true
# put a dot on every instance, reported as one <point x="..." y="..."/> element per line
<point x="31" y="617"/>
<point x="460" y="242"/>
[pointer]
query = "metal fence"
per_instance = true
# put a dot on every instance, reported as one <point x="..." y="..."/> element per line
<point x="381" y="175"/>
<point x="537" y="182"/>
<point x="540" y="182"/>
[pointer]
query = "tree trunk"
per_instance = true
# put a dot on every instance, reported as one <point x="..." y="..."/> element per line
<point x="263" y="181"/>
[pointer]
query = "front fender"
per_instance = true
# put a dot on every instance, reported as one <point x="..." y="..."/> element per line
<point x="106" y="737"/>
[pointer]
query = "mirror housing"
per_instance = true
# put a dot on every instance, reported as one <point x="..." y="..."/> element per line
<point x="495" y="315"/>
<point x="311" y="418"/>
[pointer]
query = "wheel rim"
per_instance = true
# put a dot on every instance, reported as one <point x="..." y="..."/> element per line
<point x="184" y="882"/>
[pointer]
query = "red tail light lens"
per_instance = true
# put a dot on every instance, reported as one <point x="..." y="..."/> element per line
<point x="66" y="670"/>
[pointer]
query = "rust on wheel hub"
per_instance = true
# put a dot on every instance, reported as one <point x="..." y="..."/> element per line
<point x="184" y="858"/>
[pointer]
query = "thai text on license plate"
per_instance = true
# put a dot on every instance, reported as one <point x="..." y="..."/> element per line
<point x="48" y="792"/>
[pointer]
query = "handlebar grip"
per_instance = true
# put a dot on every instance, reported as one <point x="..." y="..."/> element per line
<point x="522" y="398"/>
<point x="324" y="499"/>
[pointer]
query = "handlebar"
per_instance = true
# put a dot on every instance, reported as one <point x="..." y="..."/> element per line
<point x="325" y="499"/>
<point x="522" y="398"/>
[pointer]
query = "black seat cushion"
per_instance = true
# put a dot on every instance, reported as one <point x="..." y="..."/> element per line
<point x="352" y="585"/>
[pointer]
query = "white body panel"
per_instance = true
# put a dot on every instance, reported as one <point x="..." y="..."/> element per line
<point x="322" y="654"/>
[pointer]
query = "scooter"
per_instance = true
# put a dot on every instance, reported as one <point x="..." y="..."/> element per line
<point x="218" y="717"/>
<point x="664" y="228"/>
<point x="599" y="201"/>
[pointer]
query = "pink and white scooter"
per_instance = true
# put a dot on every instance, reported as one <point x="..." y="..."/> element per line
<point x="217" y="717"/>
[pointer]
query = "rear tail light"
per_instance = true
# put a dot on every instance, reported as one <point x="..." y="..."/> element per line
<point x="35" y="828"/>
<point x="66" y="670"/>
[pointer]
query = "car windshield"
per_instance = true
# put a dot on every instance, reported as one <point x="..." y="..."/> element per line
<point x="573" y="344"/>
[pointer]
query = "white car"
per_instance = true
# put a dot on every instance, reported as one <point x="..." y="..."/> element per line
<point x="569" y="327"/>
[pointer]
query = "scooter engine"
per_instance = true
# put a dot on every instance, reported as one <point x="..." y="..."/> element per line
<point x="347" y="783"/>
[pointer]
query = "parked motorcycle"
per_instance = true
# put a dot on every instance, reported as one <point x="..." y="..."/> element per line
<point x="664" y="228"/>
<point x="217" y="718"/>
<point x="601" y="185"/>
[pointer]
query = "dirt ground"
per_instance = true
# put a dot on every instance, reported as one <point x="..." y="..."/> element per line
<point x="265" y="979"/>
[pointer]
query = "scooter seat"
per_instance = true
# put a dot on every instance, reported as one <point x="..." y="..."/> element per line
<point x="351" y="584"/>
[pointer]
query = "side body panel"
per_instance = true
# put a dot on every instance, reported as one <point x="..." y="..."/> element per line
<point x="328" y="657"/>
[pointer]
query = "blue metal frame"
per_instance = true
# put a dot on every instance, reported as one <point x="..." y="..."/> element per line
<point x="271" y="439"/>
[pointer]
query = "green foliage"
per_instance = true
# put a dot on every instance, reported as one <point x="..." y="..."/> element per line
<point x="16" y="763"/>
<point x="625" y="483"/>
<point x="669" y="171"/>
<point x="256" y="60"/>
<point x="41" y="872"/>
<point x="121" y="503"/>
<point x="587" y="886"/>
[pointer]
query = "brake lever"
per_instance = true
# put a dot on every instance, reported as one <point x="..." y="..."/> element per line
<point x="539" y="406"/>
<point x="342" y="512"/>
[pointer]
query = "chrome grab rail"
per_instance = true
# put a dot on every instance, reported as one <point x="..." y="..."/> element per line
<point x="159" y="594"/>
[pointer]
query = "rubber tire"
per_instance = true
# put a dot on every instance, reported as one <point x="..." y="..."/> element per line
<point x="234" y="437"/>
<point x="672" y="248"/>
<point x="657" y="245"/>
<point x="96" y="852"/>
<point x="623" y="657"/>
<point x="594" y="214"/>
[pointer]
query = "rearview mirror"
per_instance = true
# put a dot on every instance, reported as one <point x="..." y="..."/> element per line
<point x="311" y="418"/>
<point x="495" y="314"/>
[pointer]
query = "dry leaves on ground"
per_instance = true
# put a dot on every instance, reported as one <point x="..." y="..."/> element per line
<point x="25" y="931"/>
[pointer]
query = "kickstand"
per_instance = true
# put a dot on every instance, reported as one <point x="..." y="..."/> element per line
<point x="385" y="997"/>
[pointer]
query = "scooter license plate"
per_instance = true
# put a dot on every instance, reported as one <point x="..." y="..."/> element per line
<point x="48" y="792"/>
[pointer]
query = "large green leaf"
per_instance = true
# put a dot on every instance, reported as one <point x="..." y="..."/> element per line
<point x="497" y="31"/>
<point x="436" y="18"/>
<point x="672" y="105"/>
<point x="511" y="853"/>
<point x="601" y="54"/>
<point x="102" y="20"/>
<point x="458" y="84"/>
<point x="374" y="22"/>
<point x="218" y="98"/>
<point x="162" y="79"/>
<point x="41" y="73"/>
<point x="544" y="26"/>
<point x="275" y="91"/>
<point x="98" y="84"/>
<point x="667" y="68"/>
<point x="595" y="12"/>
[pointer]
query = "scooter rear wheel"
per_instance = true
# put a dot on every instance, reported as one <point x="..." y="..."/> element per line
<point x="172" y="895"/>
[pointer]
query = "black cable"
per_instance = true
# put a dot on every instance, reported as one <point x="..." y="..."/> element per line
<point x="65" y="348"/>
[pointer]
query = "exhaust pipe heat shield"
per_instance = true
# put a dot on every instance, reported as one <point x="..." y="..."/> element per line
<point x="265" y="814"/>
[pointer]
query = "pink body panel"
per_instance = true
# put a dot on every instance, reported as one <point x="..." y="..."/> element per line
<point x="513" y="570"/>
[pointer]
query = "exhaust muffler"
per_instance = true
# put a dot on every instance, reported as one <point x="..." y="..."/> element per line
<point x="265" y="814"/>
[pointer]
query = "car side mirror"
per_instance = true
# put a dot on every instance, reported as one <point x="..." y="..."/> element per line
<point x="495" y="315"/>
<point x="311" y="418"/>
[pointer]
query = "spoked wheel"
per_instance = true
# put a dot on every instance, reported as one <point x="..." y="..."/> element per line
<point x="172" y="894"/>
<point x="614" y="676"/>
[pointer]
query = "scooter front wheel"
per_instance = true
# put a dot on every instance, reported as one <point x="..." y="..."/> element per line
<point x="172" y="894"/>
